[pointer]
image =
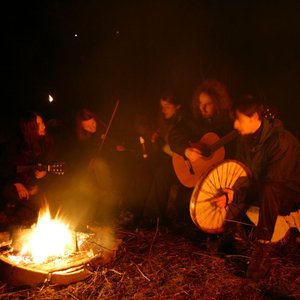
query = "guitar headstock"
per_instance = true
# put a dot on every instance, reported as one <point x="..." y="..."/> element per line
<point x="57" y="168"/>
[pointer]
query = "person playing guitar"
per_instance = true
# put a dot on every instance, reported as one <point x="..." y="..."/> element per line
<point x="211" y="108"/>
<point x="191" y="139"/>
<point x="30" y="178"/>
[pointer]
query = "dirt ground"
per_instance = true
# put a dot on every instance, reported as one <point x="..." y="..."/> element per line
<point x="178" y="263"/>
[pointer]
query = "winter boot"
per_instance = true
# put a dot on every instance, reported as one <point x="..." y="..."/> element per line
<point x="234" y="239"/>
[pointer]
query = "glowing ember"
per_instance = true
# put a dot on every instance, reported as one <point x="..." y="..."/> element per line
<point x="49" y="252"/>
<point x="49" y="237"/>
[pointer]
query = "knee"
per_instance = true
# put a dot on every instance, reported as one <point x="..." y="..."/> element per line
<point x="9" y="193"/>
<point x="270" y="195"/>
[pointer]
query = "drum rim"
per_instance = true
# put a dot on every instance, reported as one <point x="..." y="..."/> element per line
<point x="203" y="176"/>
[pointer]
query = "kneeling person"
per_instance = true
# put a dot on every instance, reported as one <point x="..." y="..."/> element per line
<point x="273" y="155"/>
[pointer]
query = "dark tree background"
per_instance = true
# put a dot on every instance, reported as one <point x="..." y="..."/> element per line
<point x="89" y="52"/>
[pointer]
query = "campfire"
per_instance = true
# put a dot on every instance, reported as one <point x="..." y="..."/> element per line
<point x="51" y="252"/>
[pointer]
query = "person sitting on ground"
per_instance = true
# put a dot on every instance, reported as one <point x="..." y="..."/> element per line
<point x="272" y="154"/>
<point x="29" y="184"/>
<point x="158" y="203"/>
<point x="211" y="107"/>
<point x="211" y="112"/>
<point x="94" y="168"/>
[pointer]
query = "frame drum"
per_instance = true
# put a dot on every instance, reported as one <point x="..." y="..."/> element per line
<point x="227" y="174"/>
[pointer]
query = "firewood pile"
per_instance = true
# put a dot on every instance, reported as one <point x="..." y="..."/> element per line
<point x="170" y="264"/>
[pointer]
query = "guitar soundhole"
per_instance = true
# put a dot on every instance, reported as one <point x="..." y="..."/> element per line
<point x="206" y="150"/>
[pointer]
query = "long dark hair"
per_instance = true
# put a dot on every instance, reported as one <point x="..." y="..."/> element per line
<point x="32" y="142"/>
<point x="219" y="95"/>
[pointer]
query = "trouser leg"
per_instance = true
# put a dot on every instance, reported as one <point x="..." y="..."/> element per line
<point x="275" y="200"/>
<point x="157" y="201"/>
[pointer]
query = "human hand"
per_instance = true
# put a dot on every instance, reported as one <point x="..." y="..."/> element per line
<point x="120" y="148"/>
<point x="34" y="190"/>
<point x="154" y="137"/>
<point x="225" y="199"/>
<point x="192" y="153"/>
<point x="39" y="174"/>
<point x="22" y="191"/>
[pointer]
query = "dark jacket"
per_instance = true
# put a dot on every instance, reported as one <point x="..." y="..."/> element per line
<point x="272" y="154"/>
<point x="21" y="159"/>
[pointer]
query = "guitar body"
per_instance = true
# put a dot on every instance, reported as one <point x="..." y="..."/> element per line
<point x="188" y="172"/>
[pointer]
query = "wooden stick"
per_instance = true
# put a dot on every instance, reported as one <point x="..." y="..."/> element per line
<point x="109" y="125"/>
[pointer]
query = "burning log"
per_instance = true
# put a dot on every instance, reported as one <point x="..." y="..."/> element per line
<point x="23" y="260"/>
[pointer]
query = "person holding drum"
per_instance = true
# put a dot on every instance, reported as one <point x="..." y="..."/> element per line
<point x="272" y="154"/>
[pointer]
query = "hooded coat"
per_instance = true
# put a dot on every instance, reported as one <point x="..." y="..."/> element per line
<point x="273" y="155"/>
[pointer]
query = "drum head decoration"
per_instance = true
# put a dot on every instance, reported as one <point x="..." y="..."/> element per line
<point x="227" y="174"/>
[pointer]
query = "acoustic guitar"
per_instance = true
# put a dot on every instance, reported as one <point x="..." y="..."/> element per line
<point x="212" y="149"/>
<point x="55" y="168"/>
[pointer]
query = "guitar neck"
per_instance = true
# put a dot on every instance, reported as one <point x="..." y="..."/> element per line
<point x="56" y="168"/>
<point x="32" y="167"/>
<point x="223" y="141"/>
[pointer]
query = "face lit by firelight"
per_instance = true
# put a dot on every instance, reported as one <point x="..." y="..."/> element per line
<point x="89" y="125"/>
<point x="207" y="106"/>
<point x="246" y="124"/>
<point x="168" y="109"/>
<point x="41" y="126"/>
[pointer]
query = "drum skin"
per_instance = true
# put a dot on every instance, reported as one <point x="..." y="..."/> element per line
<point x="227" y="174"/>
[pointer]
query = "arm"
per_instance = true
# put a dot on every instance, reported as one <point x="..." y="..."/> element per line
<point x="180" y="135"/>
<point x="225" y="199"/>
<point x="22" y="191"/>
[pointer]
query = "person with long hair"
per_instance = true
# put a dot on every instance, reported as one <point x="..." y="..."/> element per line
<point x="210" y="116"/>
<point x="211" y="111"/>
<point x="29" y="182"/>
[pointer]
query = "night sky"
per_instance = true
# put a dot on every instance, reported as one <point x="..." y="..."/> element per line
<point x="93" y="53"/>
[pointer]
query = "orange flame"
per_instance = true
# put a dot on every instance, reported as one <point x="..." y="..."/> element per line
<point x="49" y="237"/>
